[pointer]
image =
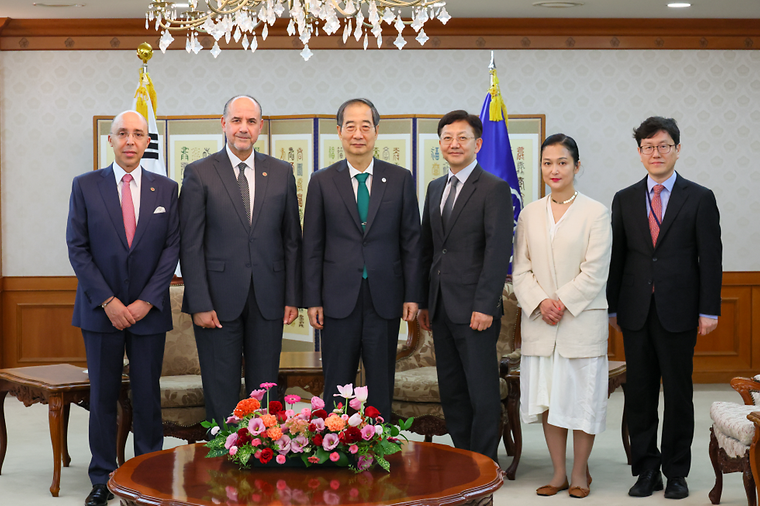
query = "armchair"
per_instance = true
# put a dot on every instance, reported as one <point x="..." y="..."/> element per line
<point x="734" y="437"/>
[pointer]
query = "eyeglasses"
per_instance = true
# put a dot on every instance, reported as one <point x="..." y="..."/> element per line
<point x="664" y="149"/>
<point x="461" y="139"/>
<point x="138" y="136"/>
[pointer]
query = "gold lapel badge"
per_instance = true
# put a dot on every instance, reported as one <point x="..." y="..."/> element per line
<point x="264" y="174"/>
<point x="152" y="189"/>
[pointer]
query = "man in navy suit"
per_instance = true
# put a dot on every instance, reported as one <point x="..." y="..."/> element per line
<point x="663" y="291"/>
<point x="240" y="257"/>
<point x="361" y="258"/>
<point x="466" y="240"/>
<point x="123" y="242"/>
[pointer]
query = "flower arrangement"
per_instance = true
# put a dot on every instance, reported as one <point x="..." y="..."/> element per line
<point x="259" y="432"/>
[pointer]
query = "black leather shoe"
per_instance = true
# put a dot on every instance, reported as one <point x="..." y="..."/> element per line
<point x="676" y="488"/>
<point x="647" y="482"/>
<point x="99" y="495"/>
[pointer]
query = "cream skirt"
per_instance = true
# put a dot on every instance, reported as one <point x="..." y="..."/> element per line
<point x="574" y="390"/>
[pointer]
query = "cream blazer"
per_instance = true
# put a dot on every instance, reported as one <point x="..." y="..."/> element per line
<point x="573" y="268"/>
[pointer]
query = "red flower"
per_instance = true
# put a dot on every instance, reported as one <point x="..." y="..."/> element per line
<point x="275" y="407"/>
<point x="312" y="427"/>
<point x="320" y="413"/>
<point x="266" y="455"/>
<point x="371" y="412"/>
<point x="282" y="417"/>
<point x="243" y="436"/>
<point x="317" y="440"/>
<point x="350" y="435"/>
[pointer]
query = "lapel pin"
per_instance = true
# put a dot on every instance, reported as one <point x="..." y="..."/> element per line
<point x="264" y="174"/>
<point x="383" y="180"/>
<point x="152" y="189"/>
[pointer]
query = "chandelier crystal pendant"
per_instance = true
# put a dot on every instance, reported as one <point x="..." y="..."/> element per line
<point x="236" y="19"/>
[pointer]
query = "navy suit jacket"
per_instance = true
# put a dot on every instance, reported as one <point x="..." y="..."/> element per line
<point x="468" y="262"/>
<point x="222" y="253"/>
<point x="336" y="249"/>
<point x="685" y="265"/>
<point x="105" y="266"/>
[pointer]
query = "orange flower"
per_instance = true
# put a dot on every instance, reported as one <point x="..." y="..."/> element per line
<point x="269" y="420"/>
<point x="246" y="407"/>
<point x="274" y="432"/>
<point x="334" y="423"/>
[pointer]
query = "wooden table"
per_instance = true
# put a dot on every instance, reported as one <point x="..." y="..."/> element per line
<point x="421" y="474"/>
<point x="58" y="386"/>
<point x="513" y="433"/>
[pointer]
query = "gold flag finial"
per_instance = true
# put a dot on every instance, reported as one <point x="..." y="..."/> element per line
<point x="145" y="52"/>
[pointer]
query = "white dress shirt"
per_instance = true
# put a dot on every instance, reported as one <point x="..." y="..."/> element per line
<point x="250" y="175"/>
<point x="134" y="186"/>
<point x="355" y="182"/>
<point x="462" y="176"/>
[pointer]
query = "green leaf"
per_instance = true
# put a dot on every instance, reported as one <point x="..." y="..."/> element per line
<point x="394" y="431"/>
<point x="207" y="425"/>
<point x="406" y="424"/>
<point x="390" y="448"/>
<point x="323" y="455"/>
<point x="216" y="452"/>
<point x="383" y="463"/>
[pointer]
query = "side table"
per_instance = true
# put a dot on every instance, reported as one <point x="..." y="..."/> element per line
<point x="58" y="386"/>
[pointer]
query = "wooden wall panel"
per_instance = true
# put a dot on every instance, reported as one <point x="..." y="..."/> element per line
<point x="459" y="33"/>
<point x="36" y="322"/>
<point x="36" y="327"/>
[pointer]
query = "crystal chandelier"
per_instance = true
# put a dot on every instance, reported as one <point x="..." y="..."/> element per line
<point x="240" y="19"/>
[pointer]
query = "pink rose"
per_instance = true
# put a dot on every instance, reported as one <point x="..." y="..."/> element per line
<point x="231" y="440"/>
<point x="317" y="403"/>
<point x="257" y="454"/>
<point x="255" y="442"/>
<point x="353" y="449"/>
<point x="355" y="404"/>
<point x="233" y="450"/>
<point x="280" y="459"/>
<point x="344" y="417"/>
<point x="306" y="413"/>
<point x="335" y="456"/>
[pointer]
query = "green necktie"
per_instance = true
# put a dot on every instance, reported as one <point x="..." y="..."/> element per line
<point x="362" y="204"/>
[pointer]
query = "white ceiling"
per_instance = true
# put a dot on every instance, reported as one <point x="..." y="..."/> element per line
<point x="24" y="9"/>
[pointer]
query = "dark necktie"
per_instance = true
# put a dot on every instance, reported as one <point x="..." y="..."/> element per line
<point x="128" y="208"/>
<point x="362" y="204"/>
<point x="448" y="206"/>
<point x="655" y="214"/>
<point x="244" y="191"/>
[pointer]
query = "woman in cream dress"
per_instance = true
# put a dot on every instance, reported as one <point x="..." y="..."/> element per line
<point x="562" y="258"/>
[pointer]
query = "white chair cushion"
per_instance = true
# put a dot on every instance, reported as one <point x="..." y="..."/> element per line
<point x="731" y="419"/>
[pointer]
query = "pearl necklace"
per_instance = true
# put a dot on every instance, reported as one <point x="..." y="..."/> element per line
<point x="566" y="201"/>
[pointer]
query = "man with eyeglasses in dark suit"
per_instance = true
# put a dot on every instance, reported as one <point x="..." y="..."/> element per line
<point x="663" y="291"/>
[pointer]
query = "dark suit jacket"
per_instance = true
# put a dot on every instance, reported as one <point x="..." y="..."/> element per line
<point x="221" y="253"/>
<point x="106" y="266"/>
<point x="685" y="266"/>
<point x="468" y="263"/>
<point x="336" y="249"/>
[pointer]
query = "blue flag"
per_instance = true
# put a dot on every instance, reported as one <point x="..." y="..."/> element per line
<point x="495" y="156"/>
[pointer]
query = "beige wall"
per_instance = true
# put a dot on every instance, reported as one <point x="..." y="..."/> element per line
<point x="48" y="98"/>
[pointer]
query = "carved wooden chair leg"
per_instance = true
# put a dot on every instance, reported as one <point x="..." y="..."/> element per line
<point x="513" y="410"/>
<point x="428" y="438"/>
<point x="717" y="490"/>
<point x="749" y="486"/>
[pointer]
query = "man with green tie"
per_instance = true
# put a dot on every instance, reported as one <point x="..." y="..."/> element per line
<point x="361" y="258"/>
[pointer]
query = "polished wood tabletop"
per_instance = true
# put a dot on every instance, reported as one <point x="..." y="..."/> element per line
<point x="421" y="474"/>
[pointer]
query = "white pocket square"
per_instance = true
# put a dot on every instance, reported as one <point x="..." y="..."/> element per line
<point x="159" y="210"/>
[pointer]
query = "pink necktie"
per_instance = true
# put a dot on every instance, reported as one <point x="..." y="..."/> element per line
<point x="654" y="227"/>
<point x="128" y="208"/>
